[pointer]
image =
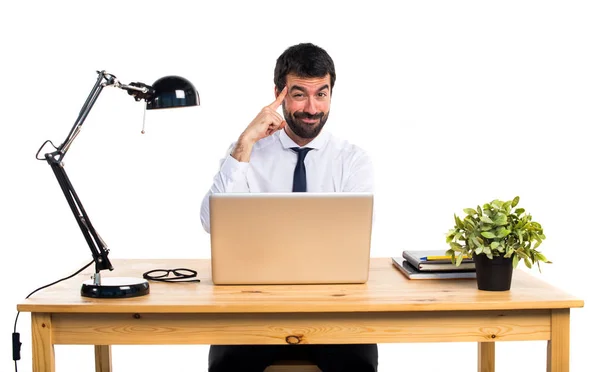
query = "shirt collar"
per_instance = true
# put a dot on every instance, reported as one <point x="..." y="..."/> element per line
<point x="317" y="143"/>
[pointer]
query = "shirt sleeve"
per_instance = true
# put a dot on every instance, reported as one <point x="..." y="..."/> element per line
<point x="230" y="178"/>
<point x="361" y="174"/>
<point x="361" y="177"/>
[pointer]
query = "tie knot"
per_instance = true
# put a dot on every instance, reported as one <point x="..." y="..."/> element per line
<point x="301" y="152"/>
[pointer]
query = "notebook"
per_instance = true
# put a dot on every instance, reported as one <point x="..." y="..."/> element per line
<point x="290" y="238"/>
<point x="419" y="260"/>
<point x="412" y="273"/>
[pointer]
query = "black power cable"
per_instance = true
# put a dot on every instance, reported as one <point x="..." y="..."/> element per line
<point x="16" y="337"/>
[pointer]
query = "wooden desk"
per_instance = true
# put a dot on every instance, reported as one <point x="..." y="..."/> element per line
<point x="388" y="308"/>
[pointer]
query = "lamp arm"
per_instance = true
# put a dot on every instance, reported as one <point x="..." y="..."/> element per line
<point x="54" y="159"/>
<point x="85" y="110"/>
<point x="139" y="91"/>
<point x="94" y="241"/>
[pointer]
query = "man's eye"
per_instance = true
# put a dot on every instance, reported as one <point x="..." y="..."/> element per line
<point x="298" y="95"/>
<point x="322" y="94"/>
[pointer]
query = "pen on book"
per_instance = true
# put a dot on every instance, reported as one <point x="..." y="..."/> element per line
<point x="437" y="258"/>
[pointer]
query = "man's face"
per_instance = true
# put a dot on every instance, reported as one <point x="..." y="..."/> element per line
<point x="306" y="106"/>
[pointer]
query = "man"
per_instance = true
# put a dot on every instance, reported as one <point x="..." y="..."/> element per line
<point x="295" y="154"/>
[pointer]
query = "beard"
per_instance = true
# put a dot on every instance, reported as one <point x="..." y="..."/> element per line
<point x="301" y="129"/>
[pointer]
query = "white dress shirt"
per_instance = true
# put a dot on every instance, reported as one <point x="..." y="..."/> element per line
<point x="334" y="165"/>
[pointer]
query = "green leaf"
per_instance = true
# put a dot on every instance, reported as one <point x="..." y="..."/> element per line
<point x="450" y="237"/>
<point x="494" y="245"/>
<point x="469" y="224"/>
<point x="497" y="204"/>
<point x="515" y="201"/>
<point x="456" y="247"/>
<point x="502" y="232"/>
<point x="479" y="210"/>
<point x="500" y="219"/>
<point x="541" y="257"/>
<point x="515" y="261"/>
<point x="475" y="240"/>
<point x="458" y="222"/>
<point x="479" y="250"/>
<point x="486" y="219"/>
<point x="488" y="234"/>
<point x="470" y="211"/>
<point x="459" y="259"/>
<point x="519" y="211"/>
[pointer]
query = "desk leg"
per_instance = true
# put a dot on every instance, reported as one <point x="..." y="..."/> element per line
<point x="42" y="346"/>
<point x="103" y="358"/>
<point x="486" y="356"/>
<point x="558" y="345"/>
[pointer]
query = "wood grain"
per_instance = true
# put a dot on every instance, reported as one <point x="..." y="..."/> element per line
<point x="387" y="290"/>
<point x="486" y="357"/>
<point x="558" y="346"/>
<point x="42" y="343"/>
<point x="303" y="328"/>
<point x="103" y="358"/>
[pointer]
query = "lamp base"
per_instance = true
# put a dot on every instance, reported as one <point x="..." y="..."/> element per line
<point x="116" y="288"/>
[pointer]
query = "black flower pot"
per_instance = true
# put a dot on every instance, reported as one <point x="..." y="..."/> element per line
<point x="494" y="274"/>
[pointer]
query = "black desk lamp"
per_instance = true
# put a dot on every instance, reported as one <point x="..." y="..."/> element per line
<point x="167" y="92"/>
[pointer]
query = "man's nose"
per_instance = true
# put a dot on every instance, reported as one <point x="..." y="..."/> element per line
<point x="311" y="106"/>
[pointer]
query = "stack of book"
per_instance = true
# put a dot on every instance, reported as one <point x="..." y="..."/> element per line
<point x="433" y="265"/>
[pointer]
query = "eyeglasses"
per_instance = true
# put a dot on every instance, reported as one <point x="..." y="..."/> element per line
<point x="180" y="275"/>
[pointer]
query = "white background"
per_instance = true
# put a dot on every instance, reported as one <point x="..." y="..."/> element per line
<point x="458" y="103"/>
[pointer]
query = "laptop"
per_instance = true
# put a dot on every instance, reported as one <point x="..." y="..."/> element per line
<point x="290" y="238"/>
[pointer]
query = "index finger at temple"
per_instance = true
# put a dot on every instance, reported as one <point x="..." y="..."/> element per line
<point x="279" y="98"/>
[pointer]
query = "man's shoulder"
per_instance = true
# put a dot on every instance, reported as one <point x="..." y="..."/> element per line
<point x="260" y="145"/>
<point x="345" y="147"/>
<point x="266" y="143"/>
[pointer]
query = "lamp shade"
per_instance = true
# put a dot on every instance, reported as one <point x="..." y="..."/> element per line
<point x="173" y="91"/>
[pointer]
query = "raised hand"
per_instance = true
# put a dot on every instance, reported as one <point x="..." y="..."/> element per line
<point x="267" y="122"/>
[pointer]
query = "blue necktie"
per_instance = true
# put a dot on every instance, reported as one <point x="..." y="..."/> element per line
<point x="300" y="171"/>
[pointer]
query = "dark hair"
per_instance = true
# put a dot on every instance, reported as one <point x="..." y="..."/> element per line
<point x="305" y="60"/>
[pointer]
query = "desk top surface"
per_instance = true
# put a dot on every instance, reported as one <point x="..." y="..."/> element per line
<point x="386" y="290"/>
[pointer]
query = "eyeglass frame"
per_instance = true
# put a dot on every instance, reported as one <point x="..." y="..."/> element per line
<point x="179" y="277"/>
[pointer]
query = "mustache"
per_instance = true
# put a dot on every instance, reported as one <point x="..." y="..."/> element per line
<point x="306" y="115"/>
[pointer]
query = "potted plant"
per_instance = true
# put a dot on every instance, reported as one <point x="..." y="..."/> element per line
<point x="497" y="236"/>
